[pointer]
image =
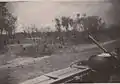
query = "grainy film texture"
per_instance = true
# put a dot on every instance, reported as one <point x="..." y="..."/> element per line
<point x="51" y="42"/>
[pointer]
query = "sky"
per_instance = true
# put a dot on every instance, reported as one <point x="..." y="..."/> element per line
<point x="42" y="13"/>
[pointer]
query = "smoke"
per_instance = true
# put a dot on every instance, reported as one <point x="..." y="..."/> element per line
<point x="114" y="12"/>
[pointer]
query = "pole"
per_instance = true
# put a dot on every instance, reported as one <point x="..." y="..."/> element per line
<point x="101" y="47"/>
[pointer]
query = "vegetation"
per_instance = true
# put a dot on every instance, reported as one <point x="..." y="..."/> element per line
<point x="69" y="31"/>
<point x="7" y="25"/>
<point x="80" y="23"/>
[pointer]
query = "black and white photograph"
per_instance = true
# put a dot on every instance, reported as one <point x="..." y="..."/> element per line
<point x="59" y="41"/>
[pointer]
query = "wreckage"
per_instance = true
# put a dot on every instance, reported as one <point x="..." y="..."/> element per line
<point x="98" y="68"/>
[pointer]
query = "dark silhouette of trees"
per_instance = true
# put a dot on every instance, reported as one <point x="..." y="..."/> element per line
<point x="7" y="20"/>
<point x="7" y="23"/>
<point x="2" y="23"/>
<point x="58" y="24"/>
<point x="2" y="16"/>
<point x="10" y="22"/>
<point x="92" y="23"/>
<point x="84" y="23"/>
<point x="65" y="22"/>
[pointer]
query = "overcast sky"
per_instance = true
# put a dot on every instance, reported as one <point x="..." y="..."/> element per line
<point x="43" y="12"/>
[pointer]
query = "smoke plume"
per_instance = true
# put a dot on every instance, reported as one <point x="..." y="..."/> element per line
<point x="114" y="12"/>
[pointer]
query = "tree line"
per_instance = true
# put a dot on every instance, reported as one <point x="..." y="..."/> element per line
<point x="80" y="23"/>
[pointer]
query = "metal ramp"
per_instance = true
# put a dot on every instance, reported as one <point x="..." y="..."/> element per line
<point x="60" y="76"/>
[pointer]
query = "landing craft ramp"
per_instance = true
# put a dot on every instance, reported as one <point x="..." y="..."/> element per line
<point x="61" y="76"/>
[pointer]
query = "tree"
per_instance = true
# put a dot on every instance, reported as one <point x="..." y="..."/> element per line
<point x="10" y="24"/>
<point x="92" y="23"/>
<point x="2" y="23"/>
<point x="65" y="22"/>
<point x="71" y="22"/>
<point x="2" y="16"/>
<point x="58" y="25"/>
<point x="7" y="20"/>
